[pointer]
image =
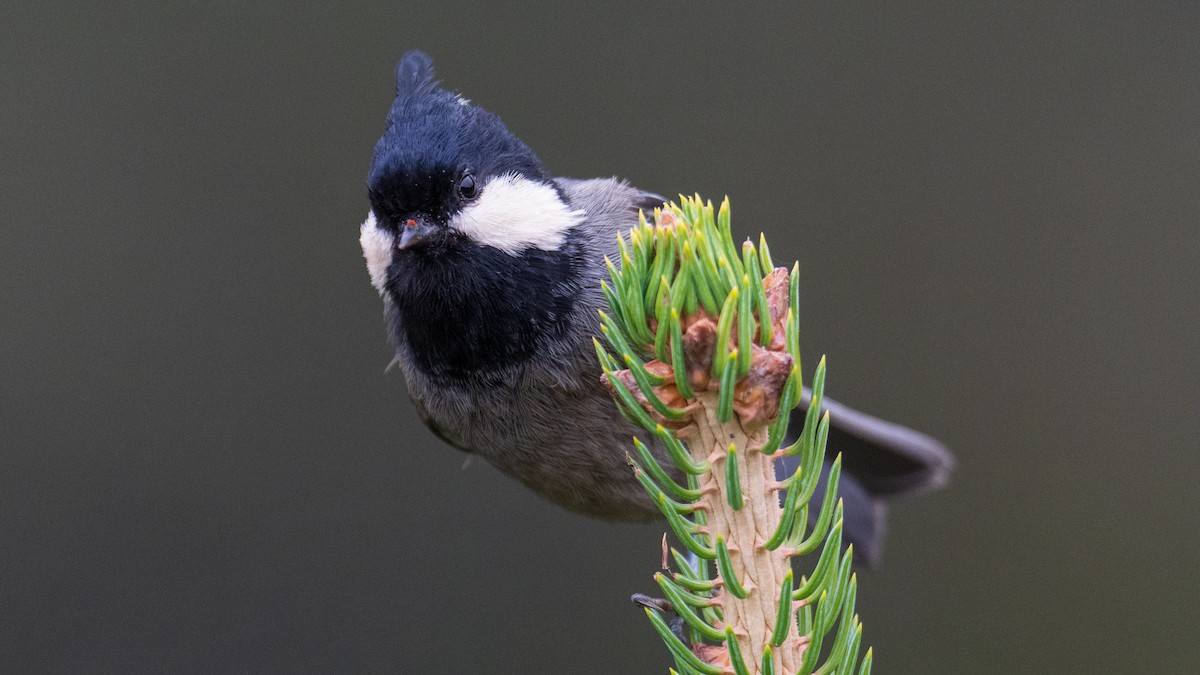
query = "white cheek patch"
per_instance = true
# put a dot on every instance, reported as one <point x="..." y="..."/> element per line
<point x="377" y="246"/>
<point x="515" y="213"/>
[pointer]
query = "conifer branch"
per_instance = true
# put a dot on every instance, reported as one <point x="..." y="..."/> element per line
<point x="703" y="351"/>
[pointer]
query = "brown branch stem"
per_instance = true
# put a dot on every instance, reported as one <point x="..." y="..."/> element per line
<point x="760" y="570"/>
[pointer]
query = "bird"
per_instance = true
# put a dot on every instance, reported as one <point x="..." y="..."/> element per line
<point x="489" y="269"/>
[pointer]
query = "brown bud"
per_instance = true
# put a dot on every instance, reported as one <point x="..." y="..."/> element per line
<point x="699" y="341"/>
<point x="776" y="287"/>
<point x="712" y="654"/>
<point x="756" y="398"/>
<point x="667" y="392"/>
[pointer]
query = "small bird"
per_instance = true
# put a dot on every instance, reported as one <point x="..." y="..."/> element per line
<point x="490" y="269"/>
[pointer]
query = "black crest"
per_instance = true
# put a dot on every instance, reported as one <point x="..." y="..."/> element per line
<point x="433" y="135"/>
<point x="414" y="73"/>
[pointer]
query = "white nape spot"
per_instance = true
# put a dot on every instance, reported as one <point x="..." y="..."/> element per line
<point x="377" y="246"/>
<point x="514" y="213"/>
<point x="461" y="101"/>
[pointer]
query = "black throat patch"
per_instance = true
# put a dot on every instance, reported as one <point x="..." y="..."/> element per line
<point x="470" y="313"/>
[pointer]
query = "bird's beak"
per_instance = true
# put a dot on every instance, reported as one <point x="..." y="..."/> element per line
<point x="413" y="231"/>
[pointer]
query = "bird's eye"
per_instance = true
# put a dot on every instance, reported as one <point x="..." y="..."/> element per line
<point x="466" y="186"/>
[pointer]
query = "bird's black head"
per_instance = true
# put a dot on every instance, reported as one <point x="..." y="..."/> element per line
<point x="466" y="231"/>
<point x="442" y="163"/>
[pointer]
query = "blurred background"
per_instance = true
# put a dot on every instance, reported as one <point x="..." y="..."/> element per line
<point x="203" y="467"/>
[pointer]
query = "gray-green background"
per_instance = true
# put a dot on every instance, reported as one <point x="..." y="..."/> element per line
<point x="203" y="468"/>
